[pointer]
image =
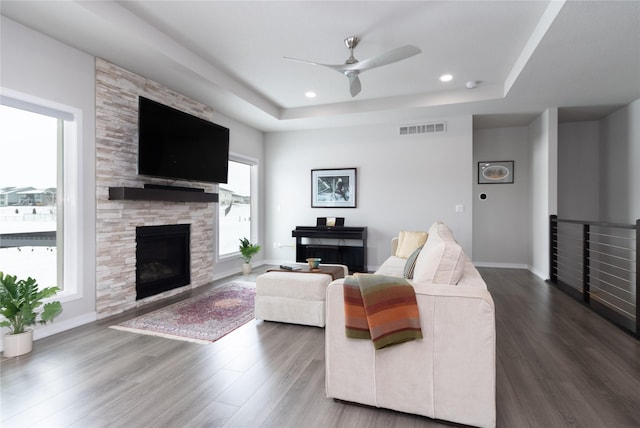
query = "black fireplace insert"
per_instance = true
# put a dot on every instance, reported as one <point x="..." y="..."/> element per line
<point x="163" y="258"/>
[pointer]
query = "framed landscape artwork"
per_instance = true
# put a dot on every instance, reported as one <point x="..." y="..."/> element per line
<point x="334" y="188"/>
<point x="492" y="172"/>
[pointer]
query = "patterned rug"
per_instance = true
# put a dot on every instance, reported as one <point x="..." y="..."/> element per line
<point x="202" y="319"/>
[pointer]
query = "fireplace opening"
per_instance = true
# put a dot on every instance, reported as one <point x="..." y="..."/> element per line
<point x="163" y="258"/>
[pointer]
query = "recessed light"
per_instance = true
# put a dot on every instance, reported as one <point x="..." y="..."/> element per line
<point x="310" y="94"/>
<point x="446" y="78"/>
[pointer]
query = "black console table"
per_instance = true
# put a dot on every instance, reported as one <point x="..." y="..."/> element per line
<point x="330" y="244"/>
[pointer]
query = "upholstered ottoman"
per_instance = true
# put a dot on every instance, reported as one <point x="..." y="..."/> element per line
<point x="293" y="297"/>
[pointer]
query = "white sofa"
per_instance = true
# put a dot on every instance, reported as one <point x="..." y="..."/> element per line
<point x="450" y="374"/>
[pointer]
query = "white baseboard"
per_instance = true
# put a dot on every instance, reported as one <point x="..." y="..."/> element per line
<point x="512" y="266"/>
<point x="501" y="265"/>
<point x="221" y="274"/>
<point x="278" y="262"/>
<point x="55" y="327"/>
<point x="538" y="273"/>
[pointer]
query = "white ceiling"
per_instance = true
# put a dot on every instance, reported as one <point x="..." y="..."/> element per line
<point x="528" y="55"/>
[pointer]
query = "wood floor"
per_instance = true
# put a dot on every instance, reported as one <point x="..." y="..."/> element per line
<point x="558" y="365"/>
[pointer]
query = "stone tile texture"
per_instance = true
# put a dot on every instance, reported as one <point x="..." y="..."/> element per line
<point x="117" y="92"/>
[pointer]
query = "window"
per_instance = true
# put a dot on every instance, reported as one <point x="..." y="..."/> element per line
<point x="30" y="195"/>
<point x="236" y="203"/>
<point x="41" y="152"/>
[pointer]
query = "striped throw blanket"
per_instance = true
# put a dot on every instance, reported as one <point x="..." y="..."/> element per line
<point x="381" y="308"/>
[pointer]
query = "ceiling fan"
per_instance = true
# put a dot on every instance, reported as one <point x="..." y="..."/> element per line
<point x="352" y="67"/>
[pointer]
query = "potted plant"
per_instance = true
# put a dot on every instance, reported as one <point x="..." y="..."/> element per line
<point x="19" y="300"/>
<point x="248" y="250"/>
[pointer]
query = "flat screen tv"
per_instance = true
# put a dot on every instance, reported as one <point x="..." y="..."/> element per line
<point x="176" y="145"/>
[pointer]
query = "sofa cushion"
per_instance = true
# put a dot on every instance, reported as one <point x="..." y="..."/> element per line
<point x="393" y="266"/>
<point x="410" y="265"/>
<point x="408" y="241"/>
<point x="441" y="261"/>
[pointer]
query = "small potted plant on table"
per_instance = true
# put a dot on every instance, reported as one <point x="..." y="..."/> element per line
<point x="248" y="250"/>
<point x="19" y="300"/>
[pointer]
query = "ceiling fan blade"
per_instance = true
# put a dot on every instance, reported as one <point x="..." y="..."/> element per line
<point x="354" y="84"/>
<point x="340" y="68"/>
<point x="394" y="55"/>
<point x="304" y="61"/>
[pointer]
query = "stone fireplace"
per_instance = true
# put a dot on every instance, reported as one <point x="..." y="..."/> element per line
<point x="117" y="221"/>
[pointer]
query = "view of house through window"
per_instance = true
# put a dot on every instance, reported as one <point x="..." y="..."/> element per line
<point x="234" y="218"/>
<point x="30" y="188"/>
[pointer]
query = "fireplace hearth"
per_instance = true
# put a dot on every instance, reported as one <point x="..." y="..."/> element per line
<point x="163" y="259"/>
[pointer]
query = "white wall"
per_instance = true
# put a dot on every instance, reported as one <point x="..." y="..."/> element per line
<point x="579" y="171"/>
<point x="404" y="182"/>
<point x="248" y="142"/>
<point x="620" y="165"/>
<point x="34" y="64"/>
<point x="501" y="221"/>
<point x="41" y="67"/>
<point x="543" y="146"/>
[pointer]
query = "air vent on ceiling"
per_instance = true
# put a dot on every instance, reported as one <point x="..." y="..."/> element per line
<point x="427" y="128"/>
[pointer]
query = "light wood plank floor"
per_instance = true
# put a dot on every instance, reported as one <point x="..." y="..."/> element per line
<point x="559" y="365"/>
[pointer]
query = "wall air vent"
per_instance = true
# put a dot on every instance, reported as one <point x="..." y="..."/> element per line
<point x="427" y="128"/>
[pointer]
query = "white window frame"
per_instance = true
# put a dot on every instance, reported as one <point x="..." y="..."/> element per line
<point x="73" y="256"/>
<point x="235" y="157"/>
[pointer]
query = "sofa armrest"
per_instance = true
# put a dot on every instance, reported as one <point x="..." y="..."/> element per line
<point x="451" y="370"/>
<point x="445" y="290"/>
<point x="461" y="321"/>
<point x="394" y="245"/>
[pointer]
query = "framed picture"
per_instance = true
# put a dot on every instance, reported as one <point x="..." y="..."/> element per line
<point x="493" y="172"/>
<point x="334" y="188"/>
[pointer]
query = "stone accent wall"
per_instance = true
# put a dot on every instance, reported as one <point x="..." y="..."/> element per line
<point x="117" y="92"/>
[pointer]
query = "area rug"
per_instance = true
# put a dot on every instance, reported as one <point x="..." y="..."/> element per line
<point x="202" y="319"/>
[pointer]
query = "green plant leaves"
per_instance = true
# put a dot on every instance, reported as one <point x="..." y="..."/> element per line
<point x="248" y="250"/>
<point x="19" y="300"/>
<point x="51" y="310"/>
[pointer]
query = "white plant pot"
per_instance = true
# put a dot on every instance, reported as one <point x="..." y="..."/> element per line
<point x="246" y="268"/>
<point x="18" y="344"/>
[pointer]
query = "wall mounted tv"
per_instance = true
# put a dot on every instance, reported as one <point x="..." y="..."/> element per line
<point x="176" y="145"/>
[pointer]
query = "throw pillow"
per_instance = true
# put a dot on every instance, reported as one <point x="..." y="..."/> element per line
<point x="408" y="241"/>
<point x="410" y="265"/>
<point x="442" y="260"/>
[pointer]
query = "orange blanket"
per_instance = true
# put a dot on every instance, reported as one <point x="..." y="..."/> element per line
<point x="381" y="308"/>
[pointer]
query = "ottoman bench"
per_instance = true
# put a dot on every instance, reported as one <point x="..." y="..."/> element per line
<point x="293" y="297"/>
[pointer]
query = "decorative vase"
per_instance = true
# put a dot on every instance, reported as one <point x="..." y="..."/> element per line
<point x="18" y="344"/>
<point x="314" y="262"/>
<point x="246" y="268"/>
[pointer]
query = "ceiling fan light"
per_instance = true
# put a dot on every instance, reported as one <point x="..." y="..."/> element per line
<point x="446" y="78"/>
<point x="310" y="94"/>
